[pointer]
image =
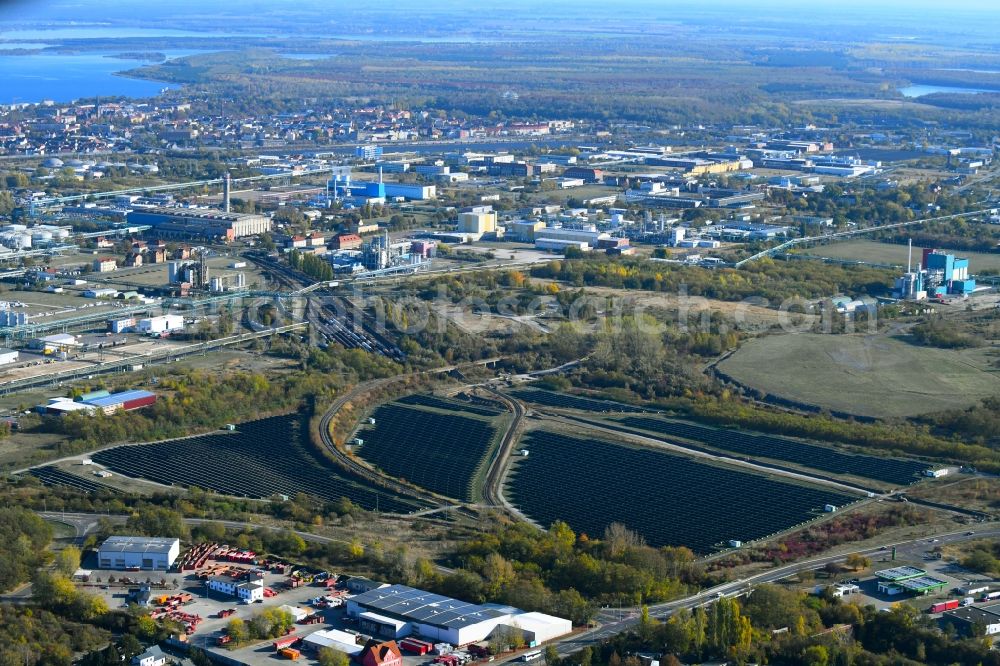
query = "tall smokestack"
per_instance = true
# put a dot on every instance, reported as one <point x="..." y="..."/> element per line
<point x="909" y="255"/>
<point x="226" y="187"/>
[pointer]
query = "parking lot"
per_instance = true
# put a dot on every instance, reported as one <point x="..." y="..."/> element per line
<point x="115" y="586"/>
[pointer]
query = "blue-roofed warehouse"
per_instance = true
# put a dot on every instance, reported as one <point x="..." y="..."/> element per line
<point x="126" y="400"/>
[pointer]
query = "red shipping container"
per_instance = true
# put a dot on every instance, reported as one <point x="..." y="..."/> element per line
<point x="286" y="641"/>
<point x="416" y="647"/>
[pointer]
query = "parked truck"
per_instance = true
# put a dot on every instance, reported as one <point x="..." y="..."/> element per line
<point x="944" y="606"/>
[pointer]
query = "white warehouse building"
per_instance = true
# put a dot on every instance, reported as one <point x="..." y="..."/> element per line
<point x="398" y="610"/>
<point x="555" y="238"/>
<point x="161" y="324"/>
<point x="129" y="552"/>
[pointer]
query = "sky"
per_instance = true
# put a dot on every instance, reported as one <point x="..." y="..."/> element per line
<point x="888" y="15"/>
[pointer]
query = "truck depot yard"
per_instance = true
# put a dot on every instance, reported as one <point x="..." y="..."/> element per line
<point x="323" y="609"/>
<point x="186" y="597"/>
<point x="866" y="375"/>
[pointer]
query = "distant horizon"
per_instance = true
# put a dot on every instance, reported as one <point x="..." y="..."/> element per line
<point x="73" y="10"/>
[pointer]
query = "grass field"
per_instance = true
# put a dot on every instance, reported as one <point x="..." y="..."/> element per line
<point x="875" y="252"/>
<point x="875" y="376"/>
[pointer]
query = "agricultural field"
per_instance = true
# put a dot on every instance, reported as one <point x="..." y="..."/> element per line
<point x="670" y="500"/>
<point x="874" y="252"/>
<point x="889" y="470"/>
<point x="875" y="376"/>
<point x="443" y="445"/>
<point x="566" y="401"/>
<point x="271" y="456"/>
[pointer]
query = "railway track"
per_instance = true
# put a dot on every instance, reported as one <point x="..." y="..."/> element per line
<point x="334" y="319"/>
<point x="492" y="494"/>
<point x="351" y="464"/>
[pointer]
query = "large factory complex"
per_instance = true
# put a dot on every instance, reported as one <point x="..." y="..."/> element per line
<point x="193" y="222"/>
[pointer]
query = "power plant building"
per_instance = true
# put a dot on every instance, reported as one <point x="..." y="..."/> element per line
<point x="938" y="275"/>
<point x="200" y="223"/>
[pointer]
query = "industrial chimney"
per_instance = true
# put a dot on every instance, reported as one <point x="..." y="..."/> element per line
<point x="226" y="187"/>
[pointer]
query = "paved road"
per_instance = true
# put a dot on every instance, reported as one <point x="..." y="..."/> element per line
<point x="614" y="621"/>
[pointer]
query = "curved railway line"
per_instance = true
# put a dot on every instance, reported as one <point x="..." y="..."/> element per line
<point x="492" y="488"/>
<point x="352" y="464"/>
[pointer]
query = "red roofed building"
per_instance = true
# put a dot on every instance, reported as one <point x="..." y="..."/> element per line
<point x="381" y="654"/>
<point x="347" y="242"/>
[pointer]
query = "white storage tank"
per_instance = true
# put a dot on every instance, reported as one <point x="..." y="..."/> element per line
<point x="22" y="241"/>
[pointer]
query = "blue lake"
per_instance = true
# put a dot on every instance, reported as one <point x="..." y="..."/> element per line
<point x="97" y="31"/>
<point x="66" y="77"/>
<point x="920" y="90"/>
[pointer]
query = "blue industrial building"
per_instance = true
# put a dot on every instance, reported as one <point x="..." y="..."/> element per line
<point x="939" y="274"/>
